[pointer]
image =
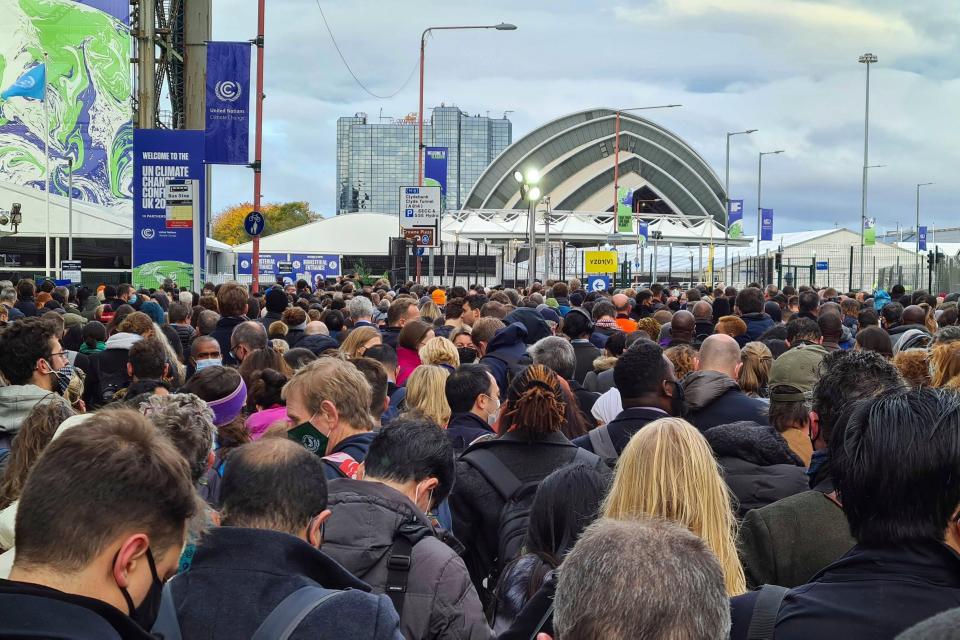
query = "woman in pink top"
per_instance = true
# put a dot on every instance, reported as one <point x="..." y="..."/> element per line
<point x="413" y="336"/>
<point x="264" y="396"/>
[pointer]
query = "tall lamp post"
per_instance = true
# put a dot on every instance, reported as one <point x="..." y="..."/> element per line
<point x="616" y="152"/>
<point x="759" y="194"/>
<point x="867" y="59"/>
<point x="530" y="192"/>
<point x="726" y="207"/>
<point x="917" y="279"/>
<point x="863" y="228"/>
<point x="503" y="26"/>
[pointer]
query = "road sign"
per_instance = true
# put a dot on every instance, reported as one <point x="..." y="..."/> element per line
<point x="70" y="271"/>
<point x="179" y="198"/>
<point x="823" y="265"/>
<point x="600" y="261"/>
<point x="598" y="283"/>
<point x="419" y="207"/>
<point x="253" y="224"/>
<point x="285" y="266"/>
<point x="421" y="236"/>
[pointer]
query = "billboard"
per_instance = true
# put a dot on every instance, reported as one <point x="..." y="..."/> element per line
<point x="88" y="71"/>
<point x="306" y="266"/>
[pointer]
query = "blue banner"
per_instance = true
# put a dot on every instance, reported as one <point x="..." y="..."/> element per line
<point x="766" y="224"/>
<point x="923" y="238"/>
<point x="228" y="103"/>
<point x="435" y="171"/>
<point x="735" y="218"/>
<point x="268" y="263"/>
<point x="306" y="266"/>
<point x="160" y="155"/>
<point x="643" y="229"/>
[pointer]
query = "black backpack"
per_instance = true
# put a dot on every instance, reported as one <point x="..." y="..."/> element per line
<point x="518" y="498"/>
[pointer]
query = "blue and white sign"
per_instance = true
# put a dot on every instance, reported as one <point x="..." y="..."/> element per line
<point x="766" y="224"/>
<point x="305" y="266"/>
<point x="598" y="283"/>
<point x="268" y="263"/>
<point x="253" y="224"/>
<point x="643" y="230"/>
<point x="735" y="218"/>
<point x="420" y="206"/>
<point x="228" y="103"/>
<point x="823" y="265"/>
<point x="923" y="238"/>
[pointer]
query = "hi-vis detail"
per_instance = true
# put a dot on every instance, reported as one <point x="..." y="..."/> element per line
<point x="600" y="261"/>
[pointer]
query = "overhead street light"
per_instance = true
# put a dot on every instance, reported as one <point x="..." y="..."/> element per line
<point x="726" y="206"/>
<point x="759" y="194"/>
<point x="867" y="59"/>
<point x="530" y="192"/>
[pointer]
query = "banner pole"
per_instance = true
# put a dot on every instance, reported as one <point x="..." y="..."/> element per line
<point x="46" y="156"/>
<point x="258" y="143"/>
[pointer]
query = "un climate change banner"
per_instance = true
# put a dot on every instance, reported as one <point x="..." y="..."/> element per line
<point x="228" y="103"/>
<point x="159" y="252"/>
<point x="435" y="171"/>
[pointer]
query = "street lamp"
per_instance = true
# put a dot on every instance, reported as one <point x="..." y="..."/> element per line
<point x="726" y="206"/>
<point x="503" y="26"/>
<point x="916" y="278"/>
<point x="867" y="59"/>
<point x="759" y="192"/>
<point x="616" y="152"/>
<point x="530" y="192"/>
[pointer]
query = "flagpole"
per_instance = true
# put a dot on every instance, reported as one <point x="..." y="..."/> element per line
<point x="46" y="154"/>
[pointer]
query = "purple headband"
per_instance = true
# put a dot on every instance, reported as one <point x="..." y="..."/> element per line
<point x="228" y="408"/>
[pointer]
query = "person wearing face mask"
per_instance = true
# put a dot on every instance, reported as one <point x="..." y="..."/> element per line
<point x="102" y="580"/>
<point x="204" y="352"/>
<point x="648" y="390"/>
<point x="409" y="471"/>
<point x="271" y="545"/>
<point x="474" y="399"/>
<point x="36" y="369"/>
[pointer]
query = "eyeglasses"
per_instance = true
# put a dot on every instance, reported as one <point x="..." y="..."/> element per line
<point x="62" y="354"/>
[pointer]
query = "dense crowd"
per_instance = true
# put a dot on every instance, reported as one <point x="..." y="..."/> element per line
<point x="358" y="460"/>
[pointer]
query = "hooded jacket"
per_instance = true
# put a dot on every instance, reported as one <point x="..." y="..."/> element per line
<point x="598" y="380"/>
<point x="713" y="398"/>
<point x="537" y="327"/>
<point x="318" y="343"/>
<point x="440" y="601"/>
<point x="757" y="324"/>
<point x="758" y="464"/>
<point x="108" y="369"/>
<point x="16" y="403"/>
<point x="508" y="345"/>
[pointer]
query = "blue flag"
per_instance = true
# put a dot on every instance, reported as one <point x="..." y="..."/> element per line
<point x="735" y="218"/>
<point x="643" y="232"/>
<point x="766" y="224"/>
<point x="29" y="85"/>
<point x="923" y="238"/>
<point x="228" y="103"/>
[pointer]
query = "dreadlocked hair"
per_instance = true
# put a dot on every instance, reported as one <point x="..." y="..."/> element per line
<point x="535" y="403"/>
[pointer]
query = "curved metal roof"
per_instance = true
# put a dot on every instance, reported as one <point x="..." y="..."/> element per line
<point x="575" y="153"/>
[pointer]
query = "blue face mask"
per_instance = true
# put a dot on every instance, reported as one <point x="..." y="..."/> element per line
<point x="209" y="362"/>
<point x="133" y="299"/>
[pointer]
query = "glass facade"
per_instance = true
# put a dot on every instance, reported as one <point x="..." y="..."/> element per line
<point x="375" y="159"/>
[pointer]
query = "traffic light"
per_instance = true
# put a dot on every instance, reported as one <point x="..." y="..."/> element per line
<point x="930" y="259"/>
<point x="778" y="259"/>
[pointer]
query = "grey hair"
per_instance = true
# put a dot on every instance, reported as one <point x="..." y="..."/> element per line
<point x="250" y="334"/>
<point x="188" y="422"/>
<point x="557" y="354"/>
<point x="6" y="284"/>
<point x="360" y="307"/>
<point x="944" y="334"/>
<point x="207" y="321"/>
<point x="8" y="295"/>
<point x="186" y="298"/>
<point x="641" y="579"/>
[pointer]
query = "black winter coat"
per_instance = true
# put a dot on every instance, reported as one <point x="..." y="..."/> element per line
<point x="714" y="398"/>
<point x="222" y="334"/>
<point x="464" y="428"/>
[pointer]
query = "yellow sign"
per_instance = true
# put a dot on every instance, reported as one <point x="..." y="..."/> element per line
<point x="600" y="261"/>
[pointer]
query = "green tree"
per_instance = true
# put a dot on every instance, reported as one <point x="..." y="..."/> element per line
<point x="228" y="223"/>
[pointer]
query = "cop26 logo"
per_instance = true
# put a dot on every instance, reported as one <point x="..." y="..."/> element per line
<point x="227" y="90"/>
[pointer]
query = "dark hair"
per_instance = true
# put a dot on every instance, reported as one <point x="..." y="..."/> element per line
<point x="274" y="484"/>
<point x="384" y="354"/>
<point x="232" y="300"/>
<point x="616" y="343"/>
<point x="298" y="357"/>
<point x="26" y="288"/>
<point x="334" y="320"/>
<point x="464" y="385"/>
<point x="603" y="308"/>
<point x="34" y="435"/>
<point x="376" y="376"/>
<point x="750" y="300"/>
<point x="117" y="474"/>
<point x="776" y="332"/>
<point x="453" y="309"/>
<point x="212" y="383"/>
<point x="265" y="388"/>
<point x="640" y="370"/>
<point x="891" y="312"/>
<point x="412" y="333"/>
<point x="848" y="376"/>
<point x="830" y="324"/>
<point x="94" y="332"/>
<point x="808" y="301"/>
<point x="867" y="317"/>
<point x="412" y="448"/>
<point x="873" y="338"/>
<point x="948" y="317"/>
<point x="918" y="434"/>
<point x="24" y="342"/>
<point x="147" y="358"/>
<point x="476" y="301"/>
<point x="535" y="403"/>
<point x="576" y="323"/>
<point x="178" y="312"/>
<point x="260" y="359"/>
<point x="803" y="330"/>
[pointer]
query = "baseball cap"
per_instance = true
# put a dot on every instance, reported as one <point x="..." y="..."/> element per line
<point x="799" y="368"/>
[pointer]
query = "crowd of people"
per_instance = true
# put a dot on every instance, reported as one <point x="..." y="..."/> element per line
<point x="398" y="461"/>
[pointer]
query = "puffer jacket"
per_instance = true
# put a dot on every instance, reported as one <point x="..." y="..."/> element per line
<point x="713" y="398"/>
<point x="757" y="324"/>
<point x="593" y="380"/>
<point x="16" y="403"/>
<point x="440" y="600"/>
<point x="758" y="464"/>
<point x="508" y="345"/>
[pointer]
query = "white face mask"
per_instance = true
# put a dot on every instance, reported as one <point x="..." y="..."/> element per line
<point x="416" y="499"/>
<point x="493" y="415"/>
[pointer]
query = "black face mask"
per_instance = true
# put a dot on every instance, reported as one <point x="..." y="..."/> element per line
<point x="678" y="403"/>
<point x="467" y="354"/>
<point x="146" y="614"/>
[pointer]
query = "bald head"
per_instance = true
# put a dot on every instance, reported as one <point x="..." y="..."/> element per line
<point x="682" y="325"/>
<point x="720" y="353"/>
<point x="913" y="315"/>
<point x="621" y="302"/>
<point x="316" y="328"/>
<point x="703" y="311"/>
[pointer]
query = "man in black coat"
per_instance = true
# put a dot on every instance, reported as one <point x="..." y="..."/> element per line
<point x="578" y="327"/>
<point x="559" y="355"/>
<point x="232" y="302"/>
<point x="474" y="399"/>
<point x="905" y="566"/>
<point x="276" y="301"/>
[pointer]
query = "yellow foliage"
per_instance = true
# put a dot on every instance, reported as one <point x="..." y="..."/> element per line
<point x="228" y="223"/>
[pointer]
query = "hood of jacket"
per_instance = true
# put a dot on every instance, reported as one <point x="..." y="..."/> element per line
<point x="510" y="336"/>
<point x="16" y="403"/>
<point x="702" y="388"/>
<point x="603" y="363"/>
<point x="123" y="340"/>
<point x="365" y="517"/>
<point x="318" y="343"/>
<point x="758" y="444"/>
<point x="536" y="326"/>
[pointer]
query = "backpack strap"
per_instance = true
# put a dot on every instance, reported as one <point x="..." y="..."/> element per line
<point x="399" y="563"/>
<point x="494" y="471"/>
<point x="584" y="457"/>
<point x="602" y="443"/>
<point x="167" y="626"/>
<point x="765" y="612"/>
<point x="287" y="616"/>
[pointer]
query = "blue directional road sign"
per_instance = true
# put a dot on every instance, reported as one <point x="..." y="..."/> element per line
<point x="598" y="283"/>
<point x="823" y="265"/>
<point x="253" y="224"/>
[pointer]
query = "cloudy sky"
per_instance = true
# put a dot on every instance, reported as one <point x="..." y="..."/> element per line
<point x="786" y="67"/>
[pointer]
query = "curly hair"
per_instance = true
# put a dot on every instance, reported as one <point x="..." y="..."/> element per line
<point x="683" y="357"/>
<point x="913" y="366"/>
<point x="650" y="326"/>
<point x="137" y="322"/>
<point x="535" y="403"/>
<point x="439" y="350"/>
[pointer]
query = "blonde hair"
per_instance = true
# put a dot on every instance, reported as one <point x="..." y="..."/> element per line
<point x="430" y="311"/>
<point x="356" y="340"/>
<point x="439" y="350"/>
<point x="337" y="381"/>
<point x="755" y="372"/>
<point x="425" y="393"/>
<point x="278" y="329"/>
<point x="945" y="364"/>
<point x="667" y="470"/>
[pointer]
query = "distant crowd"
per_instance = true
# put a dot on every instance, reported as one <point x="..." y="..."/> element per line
<point x="366" y="459"/>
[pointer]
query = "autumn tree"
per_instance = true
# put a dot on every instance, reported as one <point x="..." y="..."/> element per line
<point x="228" y="223"/>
